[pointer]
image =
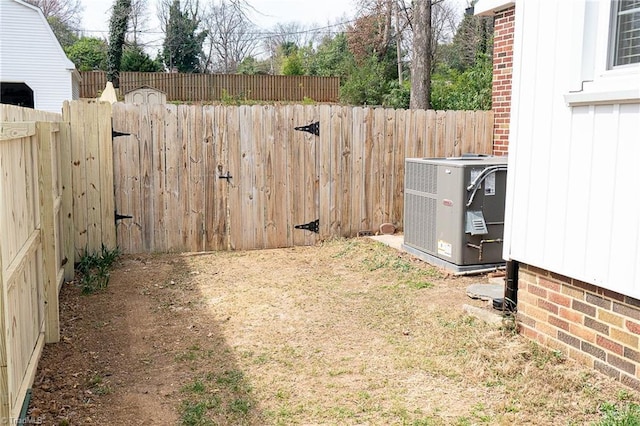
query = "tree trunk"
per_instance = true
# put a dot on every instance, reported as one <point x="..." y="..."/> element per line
<point x="117" y="30"/>
<point x="421" y="61"/>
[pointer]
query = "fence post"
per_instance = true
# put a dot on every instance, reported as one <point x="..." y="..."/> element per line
<point x="47" y="232"/>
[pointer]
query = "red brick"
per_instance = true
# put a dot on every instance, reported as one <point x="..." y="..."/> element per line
<point x="582" y="332"/>
<point x="548" y="306"/>
<point x="633" y="327"/>
<point x="538" y="291"/>
<point x="571" y="315"/>
<point x="557" y="322"/>
<point x="610" y="345"/>
<point x="555" y="286"/>
<point x="559" y="299"/>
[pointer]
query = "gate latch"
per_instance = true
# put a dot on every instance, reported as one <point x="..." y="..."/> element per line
<point x="311" y="128"/>
<point x="313" y="226"/>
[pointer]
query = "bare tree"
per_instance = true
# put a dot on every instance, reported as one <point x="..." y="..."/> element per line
<point x="421" y="61"/>
<point x="231" y="36"/>
<point x="67" y="12"/>
<point x="138" y="19"/>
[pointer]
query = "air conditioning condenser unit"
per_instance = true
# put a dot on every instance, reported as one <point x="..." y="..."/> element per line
<point x="454" y="211"/>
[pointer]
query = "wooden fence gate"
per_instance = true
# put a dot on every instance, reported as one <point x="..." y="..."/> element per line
<point x="200" y="178"/>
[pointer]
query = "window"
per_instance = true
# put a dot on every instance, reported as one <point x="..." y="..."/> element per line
<point x="606" y="46"/>
<point x="626" y="33"/>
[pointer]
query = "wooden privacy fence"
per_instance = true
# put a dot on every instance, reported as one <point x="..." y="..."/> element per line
<point x="215" y="87"/>
<point x="198" y="178"/>
<point x="35" y="254"/>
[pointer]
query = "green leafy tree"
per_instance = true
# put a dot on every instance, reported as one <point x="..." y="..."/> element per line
<point x="88" y="53"/>
<point x="182" y="48"/>
<point x="251" y="66"/>
<point x="332" y="57"/>
<point x="134" y="58"/>
<point x="117" y="31"/>
<point x="292" y="64"/>
<point x="467" y="90"/>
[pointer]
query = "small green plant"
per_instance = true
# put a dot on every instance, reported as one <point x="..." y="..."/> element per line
<point x="613" y="415"/>
<point x="308" y="101"/>
<point x="98" y="387"/>
<point x="94" y="269"/>
<point x="194" y="413"/>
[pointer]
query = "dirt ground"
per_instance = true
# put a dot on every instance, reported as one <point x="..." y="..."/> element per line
<point x="345" y="332"/>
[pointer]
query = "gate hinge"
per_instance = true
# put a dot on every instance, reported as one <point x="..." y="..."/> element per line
<point x="313" y="226"/>
<point x="311" y="128"/>
<point x="119" y="216"/>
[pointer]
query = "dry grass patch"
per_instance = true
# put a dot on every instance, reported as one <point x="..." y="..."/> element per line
<point x="346" y="332"/>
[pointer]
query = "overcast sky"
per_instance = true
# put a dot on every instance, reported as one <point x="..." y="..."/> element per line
<point x="308" y="12"/>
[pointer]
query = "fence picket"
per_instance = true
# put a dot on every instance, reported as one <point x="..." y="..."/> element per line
<point x="351" y="177"/>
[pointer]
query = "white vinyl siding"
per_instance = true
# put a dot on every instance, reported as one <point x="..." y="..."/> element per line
<point x="571" y="191"/>
<point x="30" y="53"/>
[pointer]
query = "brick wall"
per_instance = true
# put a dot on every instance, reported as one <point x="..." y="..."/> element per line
<point x="504" y="26"/>
<point x="597" y="327"/>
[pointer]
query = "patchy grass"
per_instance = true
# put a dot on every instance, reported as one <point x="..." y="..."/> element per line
<point x="347" y="332"/>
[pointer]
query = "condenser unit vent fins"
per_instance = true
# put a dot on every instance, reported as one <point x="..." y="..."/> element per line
<point x="422" y="177"/>
<point x="420" y="219"/>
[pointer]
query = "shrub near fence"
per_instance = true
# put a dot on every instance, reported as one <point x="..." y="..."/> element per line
<point x="215" y="87"/>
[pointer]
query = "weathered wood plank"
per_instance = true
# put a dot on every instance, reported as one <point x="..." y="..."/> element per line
<point x="147" y="193"/>
<point x="336" y="174"/>
<point x="271" y="152"/>
<point x="173" y="209"/>
<point x="346" y="172"/>
<point x="325" y="166"/>
<point x="312" y="174"/>
<point x="388" y="167"/>
<point x="397" y="212"/>
<point x="107" y="202"/>
<point x="257" y="206"/>
<point x="121" y="197"/>
<point x="196" y="184"/>
<point x="236" y="190"/>
<point x="158" y="170"/>
<point x="297" y="175"/>
<point x="134" y="179"/>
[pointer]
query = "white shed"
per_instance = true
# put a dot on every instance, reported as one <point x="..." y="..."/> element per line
<point x="146" y="95"/>
<point x="34" y="70"/>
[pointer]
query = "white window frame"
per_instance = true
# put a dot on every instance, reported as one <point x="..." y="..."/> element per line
<point x="598" y="81"/>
